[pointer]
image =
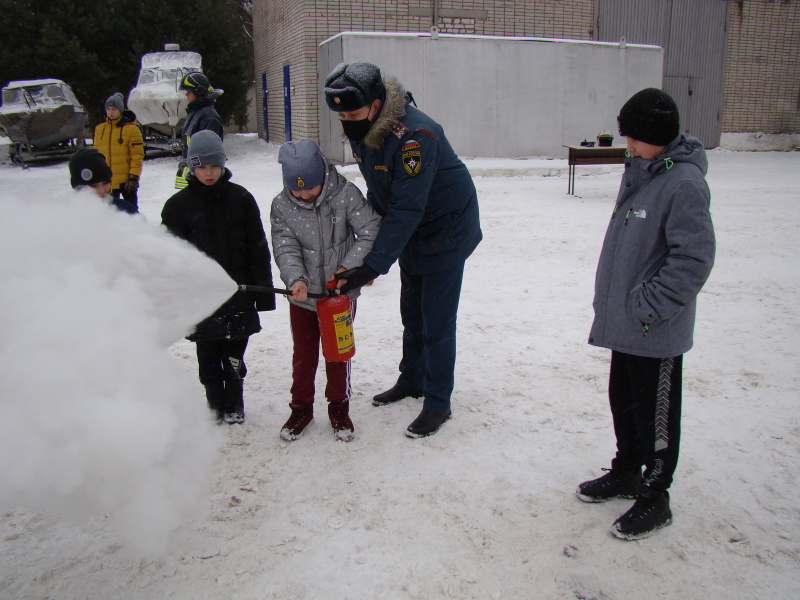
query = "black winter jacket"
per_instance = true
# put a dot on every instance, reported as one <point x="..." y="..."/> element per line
<point x="224" y="222"/>
<point x="200" y="115"/>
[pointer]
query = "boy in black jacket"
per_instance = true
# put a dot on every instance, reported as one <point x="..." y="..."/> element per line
<point x="222" y="219"/>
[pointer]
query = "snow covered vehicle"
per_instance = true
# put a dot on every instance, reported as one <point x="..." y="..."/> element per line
<point x="42" y="118"/>
<point x="157" y="101"/>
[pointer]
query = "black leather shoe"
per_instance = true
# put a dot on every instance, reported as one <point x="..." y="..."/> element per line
<point x="398" y="392"/>
<point x="427" y="423"/>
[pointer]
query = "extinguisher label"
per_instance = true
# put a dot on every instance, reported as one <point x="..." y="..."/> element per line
<point x="343" y="324"/>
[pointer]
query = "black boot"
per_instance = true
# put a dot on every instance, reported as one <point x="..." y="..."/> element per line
<point x="648" y="514"/>
<point x="427" y="423"/>
<point x="398" y="392"/>
<point x="215" y="394"/>
<point x="234" y="401"/>
<point x="614" y="484"/>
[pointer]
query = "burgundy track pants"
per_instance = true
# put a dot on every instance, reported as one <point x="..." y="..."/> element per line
<point x="306" y="339"/>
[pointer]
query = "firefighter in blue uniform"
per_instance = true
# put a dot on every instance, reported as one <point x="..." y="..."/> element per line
<point x="430" y="224"/>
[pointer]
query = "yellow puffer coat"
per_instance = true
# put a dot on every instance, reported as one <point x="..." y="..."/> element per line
<point x="121" y="143"/>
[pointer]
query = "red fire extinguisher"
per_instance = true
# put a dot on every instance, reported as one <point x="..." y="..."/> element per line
<point x="336" y="326"/>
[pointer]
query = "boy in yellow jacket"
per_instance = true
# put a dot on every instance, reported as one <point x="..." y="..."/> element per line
<point x="120" y="141"/>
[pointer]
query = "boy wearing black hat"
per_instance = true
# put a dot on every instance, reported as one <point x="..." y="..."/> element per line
<point x="430" y="223"/>
<point x="222" y="220"/>
<point x="321" y="225"/>
<point x="120" y="141"/>
<point x="200" y="116"/>
<point x="88" y="168"/>
<point x="657" y="254"/>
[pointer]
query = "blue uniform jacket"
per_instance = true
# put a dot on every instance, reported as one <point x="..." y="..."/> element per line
<point x="424" y="193"/>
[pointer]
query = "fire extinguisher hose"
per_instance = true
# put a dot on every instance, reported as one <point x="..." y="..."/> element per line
<point x="271" y="290"/>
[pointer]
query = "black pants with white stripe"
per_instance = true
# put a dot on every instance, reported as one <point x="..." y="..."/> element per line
<point x="645" y="397"/>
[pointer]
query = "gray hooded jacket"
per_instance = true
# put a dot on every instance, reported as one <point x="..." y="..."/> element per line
<point x="311" y="240"/>
<point x="657" y="254"/>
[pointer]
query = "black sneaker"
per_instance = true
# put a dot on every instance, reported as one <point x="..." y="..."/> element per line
<point x="648" y="514"/>
<point x="398" y="392"/>
<point x="427" y="423"/>
<point x="614" y="484"/>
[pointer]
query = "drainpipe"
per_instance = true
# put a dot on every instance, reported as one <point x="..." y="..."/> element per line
<point x="435" y="23"/>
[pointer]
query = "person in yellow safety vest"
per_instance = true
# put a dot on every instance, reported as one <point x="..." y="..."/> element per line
<point x="200" y="115"/>
<point x="119" y="139"/>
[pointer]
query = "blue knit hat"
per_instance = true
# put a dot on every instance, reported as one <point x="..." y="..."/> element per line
<point x="303" y="165"/>
<point x="349" y="87"/>
<point x="117" y="101"/>
<point x="205" y="148"/>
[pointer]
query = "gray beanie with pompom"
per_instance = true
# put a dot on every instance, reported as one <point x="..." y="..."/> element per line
<point x="117" y="101"/>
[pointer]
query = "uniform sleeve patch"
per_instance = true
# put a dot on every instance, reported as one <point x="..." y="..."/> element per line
<point x="412" y="157"/>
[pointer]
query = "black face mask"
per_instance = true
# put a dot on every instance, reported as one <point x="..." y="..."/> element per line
<point x="356" y="130"/>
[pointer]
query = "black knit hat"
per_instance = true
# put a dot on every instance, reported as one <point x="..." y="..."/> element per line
<point x="88" y="167"/>
<point x="350" y="87"/>
<point x="650" y="116"/>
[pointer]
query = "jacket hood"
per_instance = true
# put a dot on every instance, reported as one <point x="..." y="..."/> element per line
<point x="127" y="117"/>
<point x="683" y="149"/>
<point x="393" y="108"/>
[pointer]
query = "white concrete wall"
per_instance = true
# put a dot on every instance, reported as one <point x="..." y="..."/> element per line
<point x="254" y="97"/>
<point x="500" y="96"/>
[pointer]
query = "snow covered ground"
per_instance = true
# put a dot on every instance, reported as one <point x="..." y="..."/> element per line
<point x="484" y="509"/>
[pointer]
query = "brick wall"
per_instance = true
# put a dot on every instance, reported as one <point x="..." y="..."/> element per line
<point x="289" y="31"/>
<point x="761" y="91"/>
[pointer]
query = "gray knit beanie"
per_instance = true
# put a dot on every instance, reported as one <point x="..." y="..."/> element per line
<point x="349" y="87"/>
<point x="117" y="101"/>
<point x="205" y="148"/>
<point x="303" y="165"/>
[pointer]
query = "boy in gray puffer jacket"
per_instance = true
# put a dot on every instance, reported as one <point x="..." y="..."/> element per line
<point x="657" y="254"/>
<point x="321" y="225"/>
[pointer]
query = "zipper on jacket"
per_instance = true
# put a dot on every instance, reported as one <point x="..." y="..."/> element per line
<point x="321" y="235"/>
<point x="645" y="326"/>
<point x="628" y="214"/>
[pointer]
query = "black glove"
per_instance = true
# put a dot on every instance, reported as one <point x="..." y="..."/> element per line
<point x="133" y="183"/>
<point x="356" y="277"/>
